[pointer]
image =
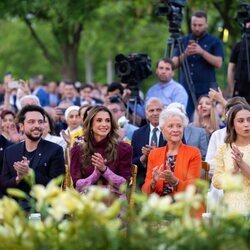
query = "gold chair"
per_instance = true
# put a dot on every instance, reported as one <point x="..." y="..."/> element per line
<point x="132" y="186"/>
<point x="67" y="182"/>
<point x="206" y="167"/>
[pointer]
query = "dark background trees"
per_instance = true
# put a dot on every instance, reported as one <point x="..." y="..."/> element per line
<point x="78" y="40"/>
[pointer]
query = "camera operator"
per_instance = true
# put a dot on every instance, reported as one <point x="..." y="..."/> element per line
<point x="167" y="90"/>
<point x="203" y="53"/>
<point x="238" y="73"/>
<point x="117" y="107"/>
<point x="116" y="89"/>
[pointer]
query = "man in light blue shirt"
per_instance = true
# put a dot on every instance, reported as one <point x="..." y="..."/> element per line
<point x="167" y="90"/>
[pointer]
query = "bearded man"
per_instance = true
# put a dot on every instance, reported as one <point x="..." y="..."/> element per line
<point x="44" y="157"/>
<point x="204" y="54"/>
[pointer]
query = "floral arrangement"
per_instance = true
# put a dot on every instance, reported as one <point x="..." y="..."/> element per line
<point x="73" y="221"/>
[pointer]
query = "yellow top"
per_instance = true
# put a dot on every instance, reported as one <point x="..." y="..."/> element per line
<point x="78" y="132"/>
<point x="238" y="201"/>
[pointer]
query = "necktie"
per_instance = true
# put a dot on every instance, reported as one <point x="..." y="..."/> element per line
<point x="154" y="138"/>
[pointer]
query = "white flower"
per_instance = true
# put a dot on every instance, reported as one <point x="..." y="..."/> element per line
<point x="122" y="121"/>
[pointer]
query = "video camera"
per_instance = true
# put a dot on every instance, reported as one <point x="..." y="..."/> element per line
<point x="173" y="10"/>
<point x="133" y="68"/>
<point x="243" y="15"/>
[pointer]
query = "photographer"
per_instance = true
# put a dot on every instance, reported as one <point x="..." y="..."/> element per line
<point x="116" y="90"/>
<point x="204" y="53"/>
<point x="238" y="75"/>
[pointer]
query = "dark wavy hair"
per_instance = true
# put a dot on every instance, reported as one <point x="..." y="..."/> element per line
<point x="231" y="133"/>
<point x="113" y="138"/>
<point x="51" y="124"/>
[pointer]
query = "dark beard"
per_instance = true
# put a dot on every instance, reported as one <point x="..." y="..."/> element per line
<point x="200" y="35"/>
<point x="32" y="138"/>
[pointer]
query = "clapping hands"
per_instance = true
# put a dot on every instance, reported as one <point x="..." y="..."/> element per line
<point x="22" y="168"/>
<point x="99" y="162"/>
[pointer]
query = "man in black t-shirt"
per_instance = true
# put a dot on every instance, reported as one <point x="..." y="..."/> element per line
<point x="44" y="157"/>
<point x="238" y="74"/>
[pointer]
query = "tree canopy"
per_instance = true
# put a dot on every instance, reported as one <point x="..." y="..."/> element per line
<point x="58" y="38"/>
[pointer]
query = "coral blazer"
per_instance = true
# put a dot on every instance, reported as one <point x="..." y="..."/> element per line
<point x="187" y="167"/>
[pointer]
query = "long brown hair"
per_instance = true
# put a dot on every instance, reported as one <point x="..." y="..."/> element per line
<point x="231" y="133"/>
<point x="88" y="147"/>
<point x="213" y="123"/>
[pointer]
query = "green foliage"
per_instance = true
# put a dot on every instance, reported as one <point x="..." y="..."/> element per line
<point x="70" y="32"/>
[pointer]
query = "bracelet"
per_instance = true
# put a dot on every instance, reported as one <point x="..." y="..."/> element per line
<point x="203" y="52"/>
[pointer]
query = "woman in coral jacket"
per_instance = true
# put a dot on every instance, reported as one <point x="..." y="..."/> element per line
<point x="172" y="168"/>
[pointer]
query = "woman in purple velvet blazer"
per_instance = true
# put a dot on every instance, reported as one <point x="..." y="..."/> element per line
<point x="102" y="158"/>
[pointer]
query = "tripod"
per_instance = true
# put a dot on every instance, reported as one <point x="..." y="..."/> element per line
<point x="173" y="42"/>
<point x="133" y="102"/>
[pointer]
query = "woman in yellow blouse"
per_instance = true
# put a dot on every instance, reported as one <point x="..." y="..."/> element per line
<point x="233" y="158"/>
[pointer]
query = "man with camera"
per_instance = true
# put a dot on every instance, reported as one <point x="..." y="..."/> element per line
<point x="167" y="90"/>
<point x="203" y="54"/>
<point x="238" y="73"/>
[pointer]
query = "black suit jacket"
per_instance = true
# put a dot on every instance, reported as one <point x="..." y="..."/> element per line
<point x="140" y="138"/>
<point x="47" y="164"/>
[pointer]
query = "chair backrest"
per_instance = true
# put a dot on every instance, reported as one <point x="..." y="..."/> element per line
<point x="206" y="167"/>
<point x="132" y="186"/>
<point x="67" y="182"/>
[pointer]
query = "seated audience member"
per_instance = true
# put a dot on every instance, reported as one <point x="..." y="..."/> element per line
<point x="37" y="83"/>
<point x="44" y="157"/>
<point x="172" y="168"/>
<point x="193" y="136"/>
<point x="205" y="116"/>
<point x="82" y="110"/>
<point x="218" y="137"/>
<point x="49" y="132"/>
<point x="69" y="93"/>
<point x="53" y="96"/>
<point x="134" y="105"/>
<point x="126" y="130"/>
<point x="147" y="137"/>
<point x="217" y="96"/>
<point x="8" y="126"/>
<point x="102" y="158"/>
<point x="233" y="158"/>
<point x="60" y="122"/>
<point x="29" y="100"/>
<point x="86" y="95"/>
<point x="12" y="96"/>
<point x="73" y="121"/>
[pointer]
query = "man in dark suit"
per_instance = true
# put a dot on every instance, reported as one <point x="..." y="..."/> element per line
<point x="143" y="140"/>
<point x="44" y="157"/>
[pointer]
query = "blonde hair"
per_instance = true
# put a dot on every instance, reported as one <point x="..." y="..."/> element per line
<point x="213" y="121"/>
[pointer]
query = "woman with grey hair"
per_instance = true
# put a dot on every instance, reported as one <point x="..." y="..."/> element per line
<point x="172" y="168"/>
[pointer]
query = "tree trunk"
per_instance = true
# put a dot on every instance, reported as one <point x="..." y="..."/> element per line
<point x="69" y="70"/>
<point x="89" y="69"/>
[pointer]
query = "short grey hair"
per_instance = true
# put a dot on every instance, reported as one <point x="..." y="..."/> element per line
<point x="153" y="99"/>
<point x="29" y="97"/>
<point x="169" y="112"/>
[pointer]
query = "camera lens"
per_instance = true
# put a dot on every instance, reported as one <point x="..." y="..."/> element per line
<point x="123" y="68"/>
